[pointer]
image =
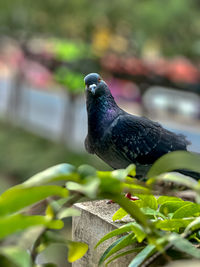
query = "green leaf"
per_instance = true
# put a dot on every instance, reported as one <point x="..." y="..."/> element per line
<point x="172" y="206"/>
<point x="102" y="259"/>
<point x="122" y="242"/>
<point x="194" y="225"/>
<point x="139" y="203"/>
<point x="174" y="161"/>
<point x="162" y="199"/>
<point x="119" y="214"/>
<point x="123" y="229"/>
<point x="86" y="170"/>
<point x="18" y="222"/>
<point x="184" y="245"/>
<point x="154" y="213"/>
<point x="132" y="226"/>
<point x="177" y="178"/>
<point x="124" y="254"/>
<point x="172" y="224"/>
<point x="76" y="250"/>
<point x="134" y="211"/>
<point x="121" y="174"/>
<point x="131" y="170"/>
<point x="142" y="256"/>
<point x="189" y="210"/>
<point x="18" y="256"/>
<point x="138" y="231"/>
<point x="145" y="201"/>
<point x="49" y="212"/>
<point x="108" y="185"/>
<point x="17" y="198"/>
<point x="89" y="189"/>
<point x="73" y="81"/>
<point x="148" y="201"/>
<point x="56" y="173"/>
<point x="68" y="212"/>
<point x="69" y="51"/>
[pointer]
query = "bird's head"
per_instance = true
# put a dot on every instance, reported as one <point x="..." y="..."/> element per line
<point x="95" y="86"/>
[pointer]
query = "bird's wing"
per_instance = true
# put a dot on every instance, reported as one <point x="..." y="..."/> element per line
<point x="142" y="140"/>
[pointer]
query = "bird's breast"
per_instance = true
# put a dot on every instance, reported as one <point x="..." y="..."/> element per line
<point x="99" y="123"/>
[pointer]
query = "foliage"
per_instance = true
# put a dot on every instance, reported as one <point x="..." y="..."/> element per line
<point x="175" y="31"/>
<point x="74" y="59"/>
<point x="71" y="80"/>
<point x="159" y="224"/>
<point x="14" y="216"/>
<point x="171" y="222"/>
<point x="69" y="51"/>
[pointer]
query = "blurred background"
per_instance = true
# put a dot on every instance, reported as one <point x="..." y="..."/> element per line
<point x="147" y="51"/>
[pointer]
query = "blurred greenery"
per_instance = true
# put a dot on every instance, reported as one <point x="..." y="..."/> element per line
<point x="69" y="51"/>
<point x="23" y="154"/>
<point x="72" y="81"/>
<point x="172" y="26"/>
<point x="159" y="224"/>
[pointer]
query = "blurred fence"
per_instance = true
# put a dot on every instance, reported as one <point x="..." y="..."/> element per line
<point x="48" y="113"/>
<point x="60" y="115"/>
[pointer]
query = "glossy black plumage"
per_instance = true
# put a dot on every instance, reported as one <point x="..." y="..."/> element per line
<point x="120" y="138"/>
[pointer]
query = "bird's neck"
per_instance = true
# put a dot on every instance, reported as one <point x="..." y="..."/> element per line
<point x="101" y="112"/>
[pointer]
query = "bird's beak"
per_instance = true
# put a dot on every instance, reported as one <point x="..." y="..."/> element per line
<point x="92" y="88"/>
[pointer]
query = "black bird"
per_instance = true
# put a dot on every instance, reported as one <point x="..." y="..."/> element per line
<point x="120" y="138"/>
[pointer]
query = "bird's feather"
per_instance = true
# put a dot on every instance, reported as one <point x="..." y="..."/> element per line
<point x="143" y="140"/>
<point x="120" y="138"/>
